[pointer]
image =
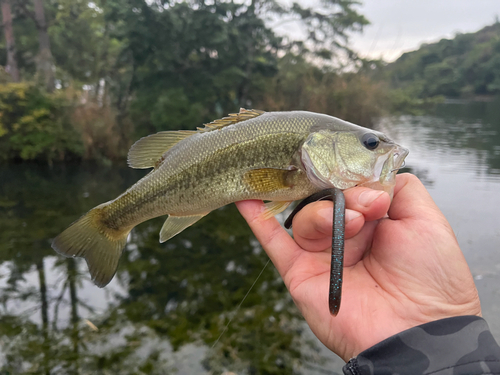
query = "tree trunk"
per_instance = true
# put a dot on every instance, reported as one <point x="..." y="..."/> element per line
<point x="44" y="59"/>
<point x="75" y="336"/>
<point x="45" y="316"/>
<point x="245" y="86"/>
<point x="11" y="66"/>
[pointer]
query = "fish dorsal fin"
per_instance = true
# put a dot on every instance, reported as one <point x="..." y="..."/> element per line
<point x="148" y="152"/>
<point x="233" y="118"/>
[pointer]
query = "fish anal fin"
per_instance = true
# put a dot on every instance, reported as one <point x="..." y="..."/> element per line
<point x="274" y="208"/>
<point x="268" y="179"/>
<point x="100" y="245"/>
<point x="148" y="152"/>
<point x="232" y="118"/>
<point x="176" y="224"/>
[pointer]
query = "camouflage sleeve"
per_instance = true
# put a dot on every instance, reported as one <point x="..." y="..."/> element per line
<point x="454" y="346"/>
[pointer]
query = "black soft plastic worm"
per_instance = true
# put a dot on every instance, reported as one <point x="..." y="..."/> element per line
<point x="337" y="264"/>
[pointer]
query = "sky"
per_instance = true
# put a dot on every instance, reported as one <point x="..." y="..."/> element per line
<point x="399" y="26"/>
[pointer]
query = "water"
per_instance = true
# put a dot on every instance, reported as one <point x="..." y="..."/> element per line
<point x="456" y="153"/>
<point x="170" y="302"/>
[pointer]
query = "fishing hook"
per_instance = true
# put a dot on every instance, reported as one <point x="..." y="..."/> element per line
<point x="402" y="166"/>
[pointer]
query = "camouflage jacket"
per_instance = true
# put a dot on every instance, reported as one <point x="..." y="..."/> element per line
<point x="461" y="345"/>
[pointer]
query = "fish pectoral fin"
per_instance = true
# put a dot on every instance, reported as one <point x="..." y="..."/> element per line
<point x="266" y="180"/>
<point x="148" y="152"/>
<point x="274" y="208"/>
<point x="176" y="224"/>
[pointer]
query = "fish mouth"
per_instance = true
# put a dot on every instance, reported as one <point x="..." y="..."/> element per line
<point x="399" y="157"/>
<point x="394" y="162"/>
<point x="386" y="168"/>
<point x="384" y="177"/>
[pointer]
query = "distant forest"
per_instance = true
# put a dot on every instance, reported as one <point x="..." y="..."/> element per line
<point x="85" y="79"/>
<point x="466" y="66"/>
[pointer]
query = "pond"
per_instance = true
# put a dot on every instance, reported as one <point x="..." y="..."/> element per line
<point x="168" y="308"/>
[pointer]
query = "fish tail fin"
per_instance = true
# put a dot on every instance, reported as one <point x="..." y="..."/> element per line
<point x="100" y="245"/>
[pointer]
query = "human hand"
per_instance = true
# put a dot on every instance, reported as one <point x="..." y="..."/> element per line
<point x="400" y="271"/>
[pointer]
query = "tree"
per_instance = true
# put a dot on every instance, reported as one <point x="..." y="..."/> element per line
<point x="194" y="61"/>
<point x="170" y="64"/>
<point x="11" y="66"/>
<point x="45" y="65"/>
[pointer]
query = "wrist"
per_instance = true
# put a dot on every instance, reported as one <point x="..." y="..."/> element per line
<point x="382" y="329"/>
<point x="463" y="343"/>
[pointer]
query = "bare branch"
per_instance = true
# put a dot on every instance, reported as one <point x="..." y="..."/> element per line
<point x="23" y="6"/>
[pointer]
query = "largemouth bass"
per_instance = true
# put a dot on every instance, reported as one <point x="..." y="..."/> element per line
<point x="275" y="156"/>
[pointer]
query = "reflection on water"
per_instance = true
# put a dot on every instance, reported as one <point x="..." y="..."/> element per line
<point x="170" y="302"/>
<point x="167" y="301"/>
<point x="167" y="305"/>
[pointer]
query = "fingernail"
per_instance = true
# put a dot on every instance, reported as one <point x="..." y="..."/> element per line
<point x="351" y="215"/>
<point x="367" y="197"/>
<point x="326" y="213"/>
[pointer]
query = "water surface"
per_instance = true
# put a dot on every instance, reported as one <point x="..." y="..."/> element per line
<point x="170" y="302"/>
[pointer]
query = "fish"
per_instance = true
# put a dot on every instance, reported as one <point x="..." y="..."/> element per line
<point x="279" y="157"/>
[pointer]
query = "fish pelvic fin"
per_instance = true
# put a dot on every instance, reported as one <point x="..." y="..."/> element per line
<point x="232" y="118"/>
<point x="274" y="208"/>
<point x="176" y="224"/>
<point x="90" y="238"/>
<point x="148" y="152"/>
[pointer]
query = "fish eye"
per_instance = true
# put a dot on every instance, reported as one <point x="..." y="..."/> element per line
<point x="371" y="141"/>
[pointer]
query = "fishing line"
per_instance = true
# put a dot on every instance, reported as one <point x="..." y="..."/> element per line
<point x="246" y="295"/>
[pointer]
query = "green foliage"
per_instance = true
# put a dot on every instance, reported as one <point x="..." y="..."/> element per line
<point x="404" y="100"/>
<point x="163" y="65"/>
<point x="299" y="84"/>
<point x="201" y="60"/>
<point x="465" y="66"/>
<point x="35" y="125"/>
<point x="174" y="108"/>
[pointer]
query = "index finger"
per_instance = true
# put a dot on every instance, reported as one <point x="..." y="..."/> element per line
<point x="315" y="232"/>
<point x="313" y="224"/>
<point x="275" y="240"/>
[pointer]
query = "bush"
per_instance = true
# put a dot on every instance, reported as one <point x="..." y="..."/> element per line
<point x="36" y="125"/>
<point x="104" y="139"/>
<point x="353" y="97"/>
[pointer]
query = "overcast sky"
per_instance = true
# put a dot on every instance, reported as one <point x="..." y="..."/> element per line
<point x="403" y="25"/>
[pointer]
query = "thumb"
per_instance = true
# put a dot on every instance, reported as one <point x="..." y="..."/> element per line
<point x="411" y="199"/>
